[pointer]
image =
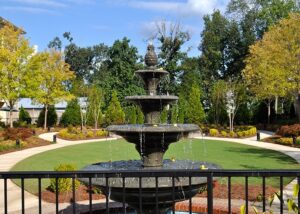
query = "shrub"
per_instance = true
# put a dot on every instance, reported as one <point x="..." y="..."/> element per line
<point x="51" y="117"/>
<point x="90" y="134"/>
<point x="240" y="134"/>
<point x="64" y="184"/>
<point x="224" y="134"/>
<point x="232" y="134"/>
<point x="101" y="133"/>
<point x="285" y="140"/>
<point x="289" y="131"/>
<point x="17" y="133"/>
<point x="24" y="116"/>
<point x="71" y="114"/>
<point x="213" y="132"/>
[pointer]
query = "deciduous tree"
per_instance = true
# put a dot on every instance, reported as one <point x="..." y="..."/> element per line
<point x="52" y="78"/>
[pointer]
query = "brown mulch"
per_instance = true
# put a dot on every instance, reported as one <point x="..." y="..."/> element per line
<point x="33" y="141"/>
<point x="238" y="191"/>
<point x="81" y="194"/>
<point x="220" y="191"/>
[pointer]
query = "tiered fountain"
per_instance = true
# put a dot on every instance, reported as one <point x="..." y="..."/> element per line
<point x="151" y="140"/>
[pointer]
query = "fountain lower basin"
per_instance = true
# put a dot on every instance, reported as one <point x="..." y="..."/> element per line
<point x="146" y="191"/>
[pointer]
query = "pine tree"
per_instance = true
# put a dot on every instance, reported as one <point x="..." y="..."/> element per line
<point x="51" y="117"/>
<point x="140" y="116"/>
<point x="24" y="116"/>
<point x="194" y="110"/>
<point x="132" y="115"/>
<point x="174" y="114"/>
<point x="164" y="116"/>
<point x="71" y="116"/>
<point x="115" y="113"/>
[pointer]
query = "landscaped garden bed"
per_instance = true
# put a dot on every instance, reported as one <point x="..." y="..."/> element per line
<point x="239" y="131"/>
<point x="75" y="133"/>
<point x="288" y="135"/>
<point x="12" y="139"/>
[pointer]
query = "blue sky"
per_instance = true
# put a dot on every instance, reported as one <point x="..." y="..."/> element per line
<point x="103" y="21"/>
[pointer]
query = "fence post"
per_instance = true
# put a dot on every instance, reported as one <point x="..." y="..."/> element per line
<point x="258" y="136"/>
<point x="54" y="138"/>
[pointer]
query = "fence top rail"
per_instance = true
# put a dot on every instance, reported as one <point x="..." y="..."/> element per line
<point x="151" y="173"/>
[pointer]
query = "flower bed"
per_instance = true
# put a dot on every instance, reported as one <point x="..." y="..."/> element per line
<point x="239" y="132"/>
<point x="74" y="133"/>
<point x="26" y="137"/>
<point x="285" y="134"/>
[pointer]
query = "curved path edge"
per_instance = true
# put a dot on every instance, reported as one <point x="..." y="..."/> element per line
<point x="7" y="161"/>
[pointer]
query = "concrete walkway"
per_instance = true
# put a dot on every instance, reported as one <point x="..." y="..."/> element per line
<point x="7" y="161"/>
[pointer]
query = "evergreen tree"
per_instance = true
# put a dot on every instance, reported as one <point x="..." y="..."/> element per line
<point x="71" y="116"/>
<point x="194" y="109"/>
<point x="174" y="114"/>
<point x="181" y="109"/>
<point x="115" y="113"/>
<point x="24" y="116"/>
<point x="131" y="115"/>
<point x="140" y="116"/>
<point x="164" y="116"/>
<point x="51" y="117"/>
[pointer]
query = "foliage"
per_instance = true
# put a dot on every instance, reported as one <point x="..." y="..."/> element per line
<point x="164" y="116"/>
<point x="171" y="38"/>
<point x="17" y="133"/>
<point x="213" y="132"/>
<point x="174" y="114"/>
<point x="140" y="116"/>
<point x="53" y="76"/>
<point x="64" y="184"/>
<point x="224" y="134"/>
<point x="114" y="113"/>
<point x="95" y="102"/>
<point x="71" y="116"/>
<point x="289" y="131"/>
<point x="218" y="101"/>
<point x="73" y="133"/>
<point x="280" y="50"/>
<point x="194" y="111"/>
<point x="18" y="66"/>
<point x="24" y="116"/>
<point x="117" y="73"/>
<point x="131" y="114"/>
<point x="51" y="117"/>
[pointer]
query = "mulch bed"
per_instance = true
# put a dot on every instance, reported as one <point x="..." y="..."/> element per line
<point x="31" y="142"/>
<point x="220" y="191"/>
<point x="81" y="194"/>
<point x="238" y="191"/>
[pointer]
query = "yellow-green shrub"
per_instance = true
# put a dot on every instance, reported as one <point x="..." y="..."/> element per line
<point x="232" y="134"/>
<point x="64" y="184"/>
<point x="240" y="134"/>
<point x="213" y="132"/>
<point x="224" y="134"/>
<point x="90" y="134"/>
<point x="285" y="140"/>
<point x="101" y="133"/>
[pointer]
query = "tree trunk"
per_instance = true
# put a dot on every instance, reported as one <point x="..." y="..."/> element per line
<point x="10" y="117"/>
<point x="45" y="118"/>
<point x="269" y="111"/>
<point x="298" y="106"/>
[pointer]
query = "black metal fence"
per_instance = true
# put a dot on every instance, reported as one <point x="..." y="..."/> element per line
<point x="209" y="174"/>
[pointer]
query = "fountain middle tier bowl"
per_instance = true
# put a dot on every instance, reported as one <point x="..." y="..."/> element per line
<point x="148" y="133"/>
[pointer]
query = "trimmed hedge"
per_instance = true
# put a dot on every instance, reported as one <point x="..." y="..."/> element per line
<point x="242" y="131"/>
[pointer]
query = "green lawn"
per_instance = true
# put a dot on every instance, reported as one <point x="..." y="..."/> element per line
<point x="226" y="154"/>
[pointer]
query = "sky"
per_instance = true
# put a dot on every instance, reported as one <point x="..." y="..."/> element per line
<point x="104" y="21"/>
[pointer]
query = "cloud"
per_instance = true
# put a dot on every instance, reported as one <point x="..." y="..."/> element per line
<point x="27" y="9"/>
<point x="49" y="3"/>
<point x="188" y="8"/>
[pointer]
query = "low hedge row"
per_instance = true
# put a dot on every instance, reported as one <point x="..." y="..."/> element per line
<point x="247" y="132"/>
<point x="73" y="133"/>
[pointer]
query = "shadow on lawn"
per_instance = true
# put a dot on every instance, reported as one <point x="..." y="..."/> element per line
<point x="277" y="156"/>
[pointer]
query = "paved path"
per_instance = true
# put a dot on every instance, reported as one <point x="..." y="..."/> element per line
<point x="7" y="161"/>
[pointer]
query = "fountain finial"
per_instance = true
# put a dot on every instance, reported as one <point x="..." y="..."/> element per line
<point x="150" y="57"/>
